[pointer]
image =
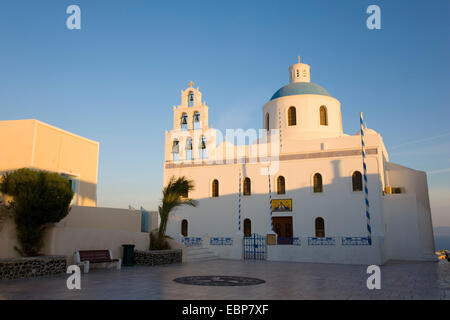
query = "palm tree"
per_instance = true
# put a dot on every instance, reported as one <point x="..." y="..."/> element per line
<point x="175" y="194"/>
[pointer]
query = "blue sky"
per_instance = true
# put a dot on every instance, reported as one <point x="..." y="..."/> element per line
<point x="115" y="80"/>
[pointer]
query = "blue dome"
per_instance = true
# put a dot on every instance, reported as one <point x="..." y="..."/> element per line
<point x="296" y="88"/>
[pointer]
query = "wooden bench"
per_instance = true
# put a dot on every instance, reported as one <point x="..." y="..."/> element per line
<point x="86" y="257"/>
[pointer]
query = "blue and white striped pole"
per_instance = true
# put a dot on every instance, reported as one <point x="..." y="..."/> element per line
<point x="270" y="200"/>
<point x="239" y="202"/>
<point x="280" y="131"/>
<point x="366" y="191"/>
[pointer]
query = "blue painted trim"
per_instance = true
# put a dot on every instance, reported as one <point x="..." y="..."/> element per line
<point x="319" y="241"/>
<point x="355" y="241"/>
<point x="221" y="241"/>
<point x="192" y="241"/>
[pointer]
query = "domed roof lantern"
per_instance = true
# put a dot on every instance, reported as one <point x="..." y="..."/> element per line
<point x="299" y="72"/>
<point x="300" y="83"/>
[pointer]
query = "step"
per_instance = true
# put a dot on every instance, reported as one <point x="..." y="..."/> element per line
<point x="202" y="259"/>
<point x="199" y="254"/>
<point x="199" y="251"/>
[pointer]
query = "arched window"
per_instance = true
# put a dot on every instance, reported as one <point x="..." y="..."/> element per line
<point x="357" y="181"/>
<point x="184" y="121"/>
<point x="196" y="120"/>
<point x="267" y="121"/>
<point x="191" y="99"/>
<point x="247" y="187"/>
<point x="184" y="228"/>
<point x="247" y="227"/>
<point x="323" y="116"/>
<point x="318" y="187"/>
<point x="189" y="149"/>
<point x="281" y="187"/>
<point x="320" y="227"/>
<point x="215" y="188"/>
<point x="175" y="150"/>
<point x="292" y="116"/>
<point x="202" y="147"/>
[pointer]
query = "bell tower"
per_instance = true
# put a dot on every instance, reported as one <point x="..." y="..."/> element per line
<point x="299" y="72"/>
<point x="190" y="136"/>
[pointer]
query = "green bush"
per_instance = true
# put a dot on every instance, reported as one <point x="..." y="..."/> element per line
<point x="156" y="243"/>
<point x="39" y="198"/>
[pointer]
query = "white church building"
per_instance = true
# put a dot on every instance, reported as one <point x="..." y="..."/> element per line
<point x="296" y="190"/>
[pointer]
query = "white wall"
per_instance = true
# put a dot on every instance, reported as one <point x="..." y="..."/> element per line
<point x="408" y="216"/>
<point x="402" y="229"/>
<point x="65" y="241"/>
<point x="342" y="209"/>
<point x="86" y="228"/>
<point x="338" y="253"/>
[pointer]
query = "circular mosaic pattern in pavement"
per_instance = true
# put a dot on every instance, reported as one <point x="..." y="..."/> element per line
<point x="219" y="281"/>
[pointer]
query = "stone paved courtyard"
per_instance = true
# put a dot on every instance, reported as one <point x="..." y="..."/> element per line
<point x="399" y="280"/>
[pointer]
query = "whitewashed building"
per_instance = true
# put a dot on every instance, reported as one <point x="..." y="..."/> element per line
<point x="316" y="202"/>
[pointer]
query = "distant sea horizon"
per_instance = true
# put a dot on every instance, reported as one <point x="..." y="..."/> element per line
<point x="442" y="238"/>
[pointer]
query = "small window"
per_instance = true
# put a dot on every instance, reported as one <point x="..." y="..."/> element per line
<point x="215" y="188"/>
<point x="320" y="227"/>
<point x="318" y="183"/>
<point x="267" y="122"/>
<point x="281" y="187"/>
<point x="323" y="116"/>
<point x="184" y="228"/>
<point x="247" y="227"/>
<point x="72" y="182"/>
<point x="247" y="187"/>
<point x="357" y="181"/>
<point x="292" y="116"/>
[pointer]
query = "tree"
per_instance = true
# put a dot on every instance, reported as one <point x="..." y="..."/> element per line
<point x="39" y="198"/>
<point x="175" y="194"/>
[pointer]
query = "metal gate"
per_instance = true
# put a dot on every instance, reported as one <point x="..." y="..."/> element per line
<point x="254" y="247"/>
